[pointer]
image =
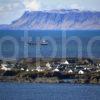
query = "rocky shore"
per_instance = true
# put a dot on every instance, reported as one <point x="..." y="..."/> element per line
<point x="93" y="78"/>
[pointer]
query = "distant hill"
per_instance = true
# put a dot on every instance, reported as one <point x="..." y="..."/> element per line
<point x="56" y="19"/>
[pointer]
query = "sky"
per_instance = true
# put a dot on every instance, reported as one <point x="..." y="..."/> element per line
<point x="12" y="9"/>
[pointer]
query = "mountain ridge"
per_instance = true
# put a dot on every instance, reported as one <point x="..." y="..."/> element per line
<point x="56" y="20"/>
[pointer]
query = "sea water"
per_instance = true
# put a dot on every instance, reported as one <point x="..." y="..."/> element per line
<point x="72" y="43"/>
<point x="29" y="91"/>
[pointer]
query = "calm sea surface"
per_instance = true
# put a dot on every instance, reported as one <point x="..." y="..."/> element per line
<point x="13" y="44"/>
<point x="14" y="91"/>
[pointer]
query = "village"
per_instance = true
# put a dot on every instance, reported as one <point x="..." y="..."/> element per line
<point x="69" y="70"/>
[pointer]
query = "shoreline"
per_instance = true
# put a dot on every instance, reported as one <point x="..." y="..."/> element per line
<point x="82" y="79"/>
<point x="69" y="70"/>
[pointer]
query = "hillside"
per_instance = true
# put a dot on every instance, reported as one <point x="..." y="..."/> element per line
<point x="57" y="19"/>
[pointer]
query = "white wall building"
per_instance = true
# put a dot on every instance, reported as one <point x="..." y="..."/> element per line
<point x="4" y="67"/>
<point x="81" y="72"/>
<point x="39" y="69"/>
<point x="48" y="66"/>
<point x="70" y="71"/>
<point x="22" y="69"/>
<point x="56" y="70"/>
<point x="27" y="70"/>
<point x="65" y="62"/>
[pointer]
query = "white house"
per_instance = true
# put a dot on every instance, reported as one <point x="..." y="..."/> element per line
<point x="48" y="66"/>
<point x="85" y="68"/>
<point x="66" y="62"/>
<point x="32" y="70"/>
<point x="70" y="71"/>
<point x="4" y="67"/>
<point x="22" y="69"/>
<point x="81" y="72"/>
<point x="39" y="69"/>
<point x="27" y="70"/>
<point x="56" y="70"/>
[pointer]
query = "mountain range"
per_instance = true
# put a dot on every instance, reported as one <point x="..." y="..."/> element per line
<point x="56" y="20"/>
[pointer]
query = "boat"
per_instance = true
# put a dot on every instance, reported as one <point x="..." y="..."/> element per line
<point x="44" y="42"/>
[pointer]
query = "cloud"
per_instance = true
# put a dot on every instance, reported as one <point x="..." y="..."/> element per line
<point x="11" y="6"/>
<point x="10" y="10"/>
<point x="76" y="6"/>
<point x="1" y="8"/>
<point x="31" y="5"/>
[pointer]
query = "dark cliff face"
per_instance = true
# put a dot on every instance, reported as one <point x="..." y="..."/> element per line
<point x="58" y="19"/>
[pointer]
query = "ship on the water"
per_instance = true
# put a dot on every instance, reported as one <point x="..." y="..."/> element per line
<point x="41" y="42"/>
